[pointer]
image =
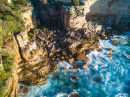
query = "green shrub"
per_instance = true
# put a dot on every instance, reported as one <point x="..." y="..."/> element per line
<point x="1" y="15"/>
<point x="75" y="2"/>
<point x="17" y="29"/>
<point x="23" y="2"/>
<point x="31" y="36"/>
<point x="9" y="18"/>
<point x="7" y="61"/>
<point x="3" y="1"/>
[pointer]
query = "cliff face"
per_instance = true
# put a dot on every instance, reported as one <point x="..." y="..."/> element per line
<point x="108" y="12"/>
<point x="31" y="19"/>
<point x="11" y="47"/>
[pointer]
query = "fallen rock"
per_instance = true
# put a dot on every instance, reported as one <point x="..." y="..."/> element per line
<point x="76" y="66"/>
<point x="75" y="78"/>
<point x="74" y="94"/>
<point x="110" y="49"/>
<point x="71" y="68"/>
<point x="70" y="60"/>
<point x="109" y="55"/>
<point x="53" y="66"/>
<point x="82" y="57"/>
<point x="97" y="79"/>
<point x="104" y="37"/>
<point x="120" y="38"/>
<point x="110" y="36"/>
<point x="25" y="90"/>
<point x="99" y="50"/>
<point x="65" y="68"/>
<point x="85" y="65"/>
<point x="115" y="42"/>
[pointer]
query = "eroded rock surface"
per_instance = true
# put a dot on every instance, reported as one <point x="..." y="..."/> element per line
<point x="36" y="74"/>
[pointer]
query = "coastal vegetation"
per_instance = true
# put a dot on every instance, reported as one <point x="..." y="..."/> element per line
<point x="10" y="21"/>
<point x="75" y="2"/>
<point x="6" y="72"/>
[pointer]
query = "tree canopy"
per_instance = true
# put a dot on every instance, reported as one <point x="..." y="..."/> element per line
<point x="75" y="2"/>
<point x="23" y="2"/>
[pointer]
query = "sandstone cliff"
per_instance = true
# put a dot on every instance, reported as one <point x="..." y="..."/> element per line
<point x="107" y="12"/>
<point x="30" y="17"/>
<point x="11" y="47"/>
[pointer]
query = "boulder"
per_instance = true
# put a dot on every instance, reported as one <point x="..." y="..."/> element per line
<point x="27" y="77"/>
<point x="70" y="60"/>
<point x="104" y="37"/>
<point x="53" y="66"/>
<point x="115" y="42"/>
<point x="65" y="68"/>
<point x="71" y="68"/>
<point x="85" y="65"/>
<point x="74" y="94"/>
<point x="99" y="28"/>
<point x="76" y="66"/>
<point x="99" y="50"/>
<point x="110" y="49"/>
<point x="109" y="55"/>
<point x="97" y="79"/>
<point x="85" y="46"/>
<point x="120" y="38"/>
<point x="110" y="36"/>
<point x="25" y="90"/>
<point x="75" y="78"/>
<point x="82" y="57"/>
<point x="42" y="70"/>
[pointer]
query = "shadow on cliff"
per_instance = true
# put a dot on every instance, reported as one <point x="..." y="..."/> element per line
<point x="114" y="13"/>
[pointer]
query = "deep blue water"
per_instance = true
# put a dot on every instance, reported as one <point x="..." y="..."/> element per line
<point x="106" y="77"/>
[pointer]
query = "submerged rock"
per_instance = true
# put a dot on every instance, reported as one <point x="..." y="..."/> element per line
<point x="25" y="90"/>
<point x="109" y="55"/>
<point x="65" y="68"/>
<point x="73" y="94"/>
<point x="99" y="50"/>
<point x="115" y="42"/>
<point x="75" y="78"/>
<point x="76" y="66"/>
<point x="120" y="38"/>
<point x="85" y="65"/>
<point x="70" y="60"/>
<point x="71" y="68"/>
<point x="97" y="79"/>
<point x="110" y="49"/>
<point x="82" y="57"/>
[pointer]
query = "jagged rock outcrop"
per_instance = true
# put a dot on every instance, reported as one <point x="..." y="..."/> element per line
<point x="32" y="52"/>
<point x="107" y="12"/>
<point x="31" y="19"/>
<point x="36" y="74"/>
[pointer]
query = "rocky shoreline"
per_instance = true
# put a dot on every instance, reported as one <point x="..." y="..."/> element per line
<point x="70" y="38"/>
<point x="59" y="31"/>
<point x="39" y="53"/>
